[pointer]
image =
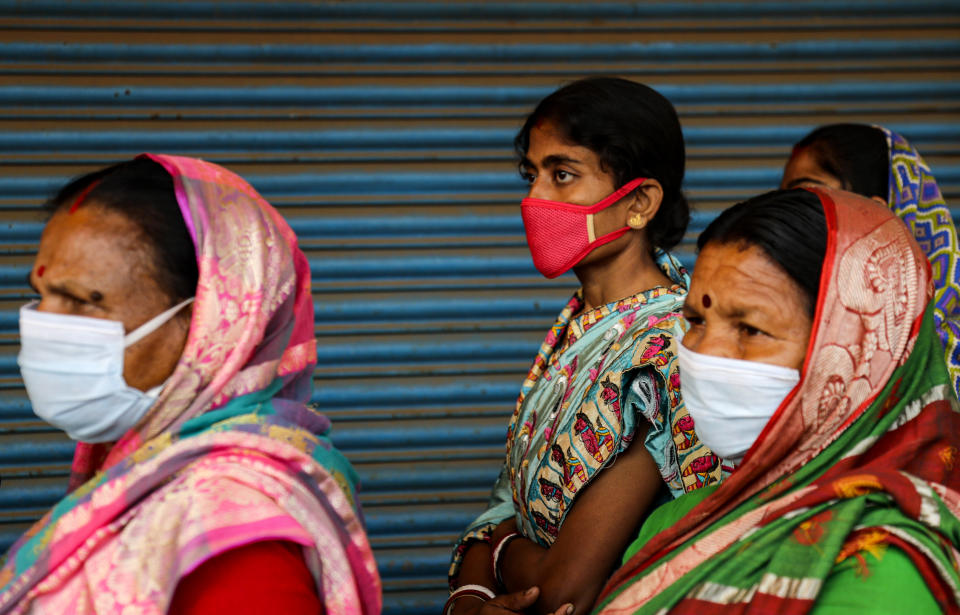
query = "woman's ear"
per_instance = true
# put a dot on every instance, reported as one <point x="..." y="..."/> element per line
<point x="881" y="200"/>
<point x="646" y="202"/>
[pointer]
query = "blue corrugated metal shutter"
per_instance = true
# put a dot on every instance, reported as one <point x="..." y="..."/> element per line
<point x="382" y="131"/>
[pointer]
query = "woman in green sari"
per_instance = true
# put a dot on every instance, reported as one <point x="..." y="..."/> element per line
<point x="813" y="358"/>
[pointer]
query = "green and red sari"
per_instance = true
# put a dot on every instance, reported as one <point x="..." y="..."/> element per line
<point x="859" y="466"/>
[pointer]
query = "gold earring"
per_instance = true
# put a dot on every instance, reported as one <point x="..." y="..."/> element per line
<point x="636" y="221"/>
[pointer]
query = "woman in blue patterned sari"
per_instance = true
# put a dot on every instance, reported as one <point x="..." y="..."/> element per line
<point x="599" y="434"/>
<point x="878" y="163"/>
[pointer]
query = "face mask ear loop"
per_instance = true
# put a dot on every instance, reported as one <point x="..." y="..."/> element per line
<point x="154" y="323"/>
<point x="609" y="201"/>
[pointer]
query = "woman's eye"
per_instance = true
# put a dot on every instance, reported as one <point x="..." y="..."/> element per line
<point x="750" y="330"/>
<point x="562" y="177"/>
<point x="75" y="303"/>
<point x="526" y="176"/>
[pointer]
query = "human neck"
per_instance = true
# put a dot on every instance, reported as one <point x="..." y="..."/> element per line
<point x="623" y="274"/>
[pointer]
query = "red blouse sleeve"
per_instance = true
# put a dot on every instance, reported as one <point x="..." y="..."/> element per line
<point x="262" y="577"/>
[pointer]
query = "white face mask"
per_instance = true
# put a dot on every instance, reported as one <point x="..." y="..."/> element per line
<point x="72" y="367"/>
<point x="731" y="400"/>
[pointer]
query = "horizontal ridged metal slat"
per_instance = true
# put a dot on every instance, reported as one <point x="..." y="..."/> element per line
<point x="382" y="131"/>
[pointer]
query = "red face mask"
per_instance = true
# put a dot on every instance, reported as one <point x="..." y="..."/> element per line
<point x="560" y="234"/>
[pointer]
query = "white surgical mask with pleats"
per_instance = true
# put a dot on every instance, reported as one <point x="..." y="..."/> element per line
<point x="72" y="367"/>
<point x="731" y="400"/>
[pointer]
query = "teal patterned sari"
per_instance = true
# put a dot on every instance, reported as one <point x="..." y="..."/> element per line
<point x="598" y="375"/>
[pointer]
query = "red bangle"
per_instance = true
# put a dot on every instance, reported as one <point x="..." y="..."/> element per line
<point x="495" y="554"/>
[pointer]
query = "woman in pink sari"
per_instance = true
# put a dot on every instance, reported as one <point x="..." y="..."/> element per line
<point x="174" y="340"/>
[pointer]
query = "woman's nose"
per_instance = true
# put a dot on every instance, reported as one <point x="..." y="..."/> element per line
<point x="713" y="342"/>
<point x="44" y="305"/>
<point x="538" y="190"/>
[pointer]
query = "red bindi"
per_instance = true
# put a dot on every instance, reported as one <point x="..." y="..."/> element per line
<point x="40" y="271"/>
<point x="706" y="301"/>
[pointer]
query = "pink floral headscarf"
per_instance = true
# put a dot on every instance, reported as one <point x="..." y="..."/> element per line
<point x="253" y="314"/>
<point x="188" y="483"/>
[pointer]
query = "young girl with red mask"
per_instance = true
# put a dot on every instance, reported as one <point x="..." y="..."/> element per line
<point x="600" y="433"/>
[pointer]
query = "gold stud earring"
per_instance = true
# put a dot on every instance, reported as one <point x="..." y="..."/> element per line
<point x="636" y="221"/>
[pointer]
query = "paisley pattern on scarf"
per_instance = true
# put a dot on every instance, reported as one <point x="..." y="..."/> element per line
<point x="230" y="453"/>
<point x="916" y="199"/>
<point x="862" y="451"/>
<point x="596" y="375"/>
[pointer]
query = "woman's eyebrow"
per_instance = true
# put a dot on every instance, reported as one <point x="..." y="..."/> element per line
<point x="746" y="310"/>
<point x="93" y="296"/>
<point x="554" y="160"/>
<point x="527" y="166"/>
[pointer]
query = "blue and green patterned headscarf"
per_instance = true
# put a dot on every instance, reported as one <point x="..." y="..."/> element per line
<point x="916" y="199"/>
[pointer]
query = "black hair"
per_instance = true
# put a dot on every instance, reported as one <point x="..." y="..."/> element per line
<point x="142" y="191"/>
<point x="635" y="132"/>
<point x="856" y="154"/>
<point x="788" y="225"/>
